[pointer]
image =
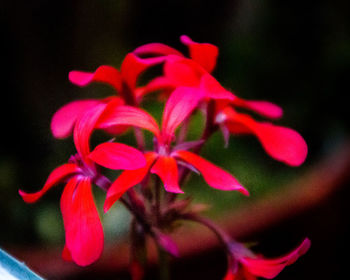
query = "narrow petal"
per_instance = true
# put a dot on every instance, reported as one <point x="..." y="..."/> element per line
<point x="127" y="180"/>
<point x="203" y="53"/>
<point x="84" y="127"/>
<point x="213" y="90"/>
<point x="104" y="74"/>
<point x="127" y="115"/>
<point x="281" y="143"/>
<point x="264" y="108"/>
<point x="64" y="119"/>
<point x="213" y="175"/>
<point x="84" y="233"/>
<point x="57" y="176"/>
<point x="118" y="156"/>
<point x="156" y="49"/>
<point x="270" y="268"/>
<point x="133" y="66"/>
<point x="157" y="84"/>
<point x="166" y="168"/>
<point x="179" y="106"/>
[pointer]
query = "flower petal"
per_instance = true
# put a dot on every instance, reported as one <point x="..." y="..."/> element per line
<point x="157" y="49"/>
<point x="84" y="233"/>
<point x="166" y="168"/>
<point x="264" y="108"/>
<point x="104" y="74"/>
<point x="84" y="127"/>
<point x="270" y="268"/>
<point x="127" y="180"/>
<point x="182" y="71"/>
<point x="64" y="119"/>
<point x="213" y="175"/>
<point x="203" y="53"/>
<point x="66" y="255"/>
<point x="281" y="143"/>
<point x="127" y="115"/>
<point x="157" y="84"/>
<point x="133" y="66"/>
<point x="118" y="156"/>
<point x="179" y="106"/>
<point x="57" y="176"/>
<point x="213" y="90"/>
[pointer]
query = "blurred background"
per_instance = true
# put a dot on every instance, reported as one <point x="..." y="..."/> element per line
<point x="293" y="53"/>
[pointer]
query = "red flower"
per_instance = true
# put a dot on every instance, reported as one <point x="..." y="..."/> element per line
<point x="124" y="82"/>
<point x="163" y="161"/>
<point x="83" y="229"/>
<point x="251" y="267"/>
<point x="195" y="72"/>
<point x="281" y="143"/>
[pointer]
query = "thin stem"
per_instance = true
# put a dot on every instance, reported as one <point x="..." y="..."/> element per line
<point x="157" y="199"/>
<point x="140" y="140"/>
<point x="163" y="264"/>
<point x="224" y="238"/>
<point x="137" y="215"/>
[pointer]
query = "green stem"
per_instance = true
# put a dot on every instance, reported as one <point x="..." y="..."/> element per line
<point x="163" y="264"/>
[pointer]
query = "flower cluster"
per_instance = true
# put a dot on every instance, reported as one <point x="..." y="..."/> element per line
<point x="186" y="85"/>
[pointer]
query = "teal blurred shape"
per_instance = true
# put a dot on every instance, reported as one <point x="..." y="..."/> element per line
<point x="9" y="266"/>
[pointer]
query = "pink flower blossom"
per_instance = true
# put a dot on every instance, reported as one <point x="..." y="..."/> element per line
<point x="250" y="267"/>
<point x="83" y="229"/>
<point x="164" y="160"/>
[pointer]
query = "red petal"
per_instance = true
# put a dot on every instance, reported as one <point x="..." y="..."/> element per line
<point x="157" y="84"/>
<point x="66" y="255"/>
<point x="281" y="143"/>
<point x="203" y="53"/>
<point x="157" y="49"/>
<point x="127" y="180"/>
<point x="127" y="115"/>
<point x="133" y="66"/>
<point x="270" y="268"/>
<point x="64" y="119"/>
<point x="182" y="71"/>
<point x="166" y="168"/>
<point x="105" y="74"/>
<point x="57" y="176"/>
<point x="213" y="175"/>
<point x="83" y="129"/>
<point x="84" y="233"/>
<point x="212" y="89"/>
<point x="264" y="108"/>
<point x="117" y="156"/>
<point x="179" y="106"/>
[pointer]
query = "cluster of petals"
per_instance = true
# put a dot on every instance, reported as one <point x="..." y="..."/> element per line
<point x="250" y="266"/>
<point x="123" y="82"/>
<point x="83" y="229"/>
<point x="164" y="160"/>
<point x="281" y="143"/>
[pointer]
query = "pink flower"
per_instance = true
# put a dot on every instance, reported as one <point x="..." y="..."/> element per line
<point x="83" y="229"/>
<point x="164" y="160"/>
<point x="251" y="267"/>
<point x="123" y="81"/>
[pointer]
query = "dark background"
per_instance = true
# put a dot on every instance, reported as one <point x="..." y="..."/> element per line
<point x="293" y="53"/>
